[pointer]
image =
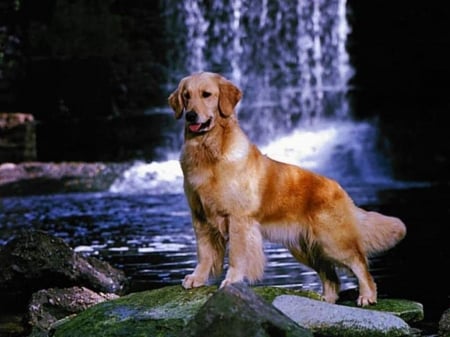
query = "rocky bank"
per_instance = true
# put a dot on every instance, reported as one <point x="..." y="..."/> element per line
<point x="47" y="289"/>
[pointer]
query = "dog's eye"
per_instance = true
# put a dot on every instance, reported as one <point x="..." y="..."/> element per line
<point x="186" y="95"/>
<point x="206" y="94"/>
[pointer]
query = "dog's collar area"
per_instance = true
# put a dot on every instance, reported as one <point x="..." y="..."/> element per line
<point x="199" y="127"/>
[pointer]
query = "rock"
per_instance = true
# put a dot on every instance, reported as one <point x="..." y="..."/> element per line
<point x="444" y="324"/>
<point x="160" y="312"/>
<point x="409" y="311"/>
<point x="337" y="320"/>
<point x="45" y="178"/>
<point x="174" y="311"/>
<point x="35" y="260"/>
<point x="50" y="305"/>
<point x="17" y="137"/>
<point x="236" y="311"/>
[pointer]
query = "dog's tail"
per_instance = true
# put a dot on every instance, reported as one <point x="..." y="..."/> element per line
<point x="379" y="232"/>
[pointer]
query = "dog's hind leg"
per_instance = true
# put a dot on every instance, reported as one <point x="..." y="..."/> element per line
<point x="330" y="281"/>
<point x="326" y="271"/>
<point x="367" y="287"/>
<point x="352" y="257"/>
<point x="246" y="254"/>
<point x="210" y="254"/>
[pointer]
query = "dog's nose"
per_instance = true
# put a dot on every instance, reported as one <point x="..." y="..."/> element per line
<point x="191" y="116"/>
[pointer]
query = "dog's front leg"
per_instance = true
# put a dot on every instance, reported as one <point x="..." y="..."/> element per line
<point x="210" y="254"/>
<point x="246" y="254"/>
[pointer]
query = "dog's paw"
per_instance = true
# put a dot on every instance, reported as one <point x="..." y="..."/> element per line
<point x="329" y="298"/>
<point x="225" y="283"/>
<point x="364" y="301"/>
<point x="191" y="281"/>
<point x="229" y="280"/>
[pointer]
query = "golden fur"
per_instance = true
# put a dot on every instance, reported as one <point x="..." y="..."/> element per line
<point x="238" y="196"/>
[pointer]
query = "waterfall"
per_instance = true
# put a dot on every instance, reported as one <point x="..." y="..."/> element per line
<point x="289" y="58"/>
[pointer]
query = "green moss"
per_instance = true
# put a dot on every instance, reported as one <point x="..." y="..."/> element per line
<point x="407" y="310"/>
<point x="270" y="293"/>
<point x="161" y="312"/>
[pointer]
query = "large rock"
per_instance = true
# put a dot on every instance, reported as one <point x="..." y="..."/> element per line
<point x="34" y="260"/>
<point x="17" y="137"/>
<point x="236" y="311"/>
<point x="50" y="305"/>
<point x="160" y="312"/>
<point x="167" y="311"/>
<point x="337" y="320"/>
<point x="45" y="178"/>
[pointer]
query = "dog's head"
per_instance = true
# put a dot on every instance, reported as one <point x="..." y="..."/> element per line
<point x="204" y="98"/>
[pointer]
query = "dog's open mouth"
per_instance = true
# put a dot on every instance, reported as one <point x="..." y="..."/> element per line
<point x="199" y="127"/>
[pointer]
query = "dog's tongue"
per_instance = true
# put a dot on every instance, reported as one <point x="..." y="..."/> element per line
<point x="195" y="127"/>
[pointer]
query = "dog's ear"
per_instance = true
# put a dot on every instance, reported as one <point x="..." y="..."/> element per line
<point x="229" y="96"/>
<point x="176" y="100"/>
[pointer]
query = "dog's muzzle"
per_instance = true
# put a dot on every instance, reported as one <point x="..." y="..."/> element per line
<point x="192" y="122"/>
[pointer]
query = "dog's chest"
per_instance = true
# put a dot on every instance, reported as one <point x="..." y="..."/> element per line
<point x="221" y="187"/>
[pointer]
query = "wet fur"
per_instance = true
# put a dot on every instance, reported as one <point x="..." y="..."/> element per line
<point x="238" y="196"/>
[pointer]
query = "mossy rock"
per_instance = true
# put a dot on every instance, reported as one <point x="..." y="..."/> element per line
<point x="160" y="312"/>
<point x="166" y="311"/>
<point x="409" y="311"/>
<point x="270" y="293"/>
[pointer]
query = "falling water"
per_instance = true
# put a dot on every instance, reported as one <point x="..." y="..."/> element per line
<point x="290" y="60"/>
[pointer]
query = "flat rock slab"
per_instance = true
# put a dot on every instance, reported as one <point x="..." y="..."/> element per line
<point x="337" y="320"/>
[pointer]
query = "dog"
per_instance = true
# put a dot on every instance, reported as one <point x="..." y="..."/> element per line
<point x="238" y="197"/>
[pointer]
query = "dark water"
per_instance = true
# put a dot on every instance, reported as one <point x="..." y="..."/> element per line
<point x="150" y="237"/>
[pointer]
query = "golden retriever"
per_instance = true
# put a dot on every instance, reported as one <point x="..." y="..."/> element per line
<point x="238" y="196"/>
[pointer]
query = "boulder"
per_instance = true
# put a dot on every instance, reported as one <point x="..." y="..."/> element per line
<point x="17" y="137"/>
<point x="159" y="312"/>
<point x="35" y="260"/>
<point x="30" y="178"/>
<point x="237" y="311"/>
<point x="174" y="311"/>
<point x="50" y="305"/>
<point x="331" y="320"/>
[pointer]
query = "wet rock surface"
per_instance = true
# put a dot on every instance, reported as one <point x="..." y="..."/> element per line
<point x="337" y="320"/>
<point x="50" y="305"/>
<point x="235" y="310"/>
<point x="30" y="178"/>
<point x="34" y="260"/>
